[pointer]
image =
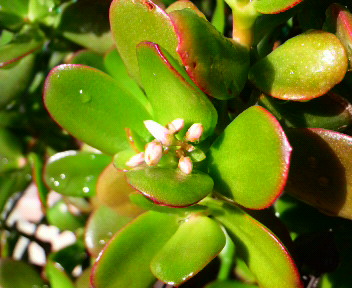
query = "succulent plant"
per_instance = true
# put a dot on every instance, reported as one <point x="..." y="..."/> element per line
<point x="189" y="148"/>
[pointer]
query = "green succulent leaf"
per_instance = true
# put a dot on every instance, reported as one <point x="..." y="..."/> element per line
<point x="86" y="23"/>
<point x="148" y="22"/>
<point x="75" y="173"/>
<point x="254" y="139"/>
<point x="196" y="242"/>
<point x="12" y="13"/>
<point x="339" y="22"/>
<point x="92" y="106"/>
<point x="218" y="65"/>
<point x="10" y="271"/>
<point x="330" y="111"/>
<point x="60" y="216"/>
<point x="102" y="224"/>
<point x="127" y="256"/>
<point x="57" y="276"/>
<point x="20" y="46"/>
<point x="321" y="170"/>
<point x="88" y="58"/>
<point x="304" y="67"/>
<point x="14" y="80"/>
<point x="274" y="6"/>
<point x="170" y="186"/>
<point x="266" y="256"/>
<point x="171" y="92"/>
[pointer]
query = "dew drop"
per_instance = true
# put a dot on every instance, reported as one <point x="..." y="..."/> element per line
<point x="85" y="98"/>
<point x="62" y="176"/>
<point x="86" y="189"/>
<point x="102" y="241"/>
<point x="56" y="183"/>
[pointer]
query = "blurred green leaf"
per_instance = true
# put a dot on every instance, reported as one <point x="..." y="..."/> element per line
<point x="57" y="276"/>
<point x="88" y="58"/>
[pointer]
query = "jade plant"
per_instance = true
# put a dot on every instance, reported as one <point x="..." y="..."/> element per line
<point x="202" y="144"/>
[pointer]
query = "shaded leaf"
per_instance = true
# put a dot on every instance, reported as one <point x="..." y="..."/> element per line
<point x="274" y="6"/>
<point x="57" y="276"/>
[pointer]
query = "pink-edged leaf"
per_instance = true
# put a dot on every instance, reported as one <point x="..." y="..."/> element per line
<point x="262" y="251"/>
<point x="304" y="67"/>
<point x="339" y="21"/>
<point x="274" y="6"/>
<point x="321" y="170"/>
<point x="218" y="65"/>
<point x="146" y="22"/>
<point x="249" y="162"/>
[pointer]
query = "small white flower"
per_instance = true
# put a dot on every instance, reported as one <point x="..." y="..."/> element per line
<point x="185" y="165"/>
<point x="159" y="132"/>
<point x="136" y="160"/>
<point x="153" y="153"/>
<point x="176" y="125"/>
<point x="194" y="132"/>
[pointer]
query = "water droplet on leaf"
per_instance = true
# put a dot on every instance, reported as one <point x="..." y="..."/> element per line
<point x="85" y="98"/>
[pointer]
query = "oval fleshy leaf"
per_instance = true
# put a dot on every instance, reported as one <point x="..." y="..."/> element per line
<point x="254" y="139"/>
<point x="103" y="223"/>
<point x="171" y="92"/>
<point x="304" y="67"/>
<point x="321" y="170"/>
<point x="14" y="80"/>
<point x="330" y="111"/>
<point x="218" y="65"/>
<point x="88" y="58"/>
<point x="170" y="186"/>
<point x="11" y="151"/>
<point x="10" y="271"/>
<point x="20" y="46"/>
<point x="92" y="106"/>
<point x="263" y="252"/>
<point x="113" y="191"/>
<point x="339" y="22"/>
<point x="274" y="6"/>
<point x="57" y="276"/>
<point x="75" y="173"/>
<point x="147" y="22"/>
<point x="196" y="242"/>
<point x="250" y="160"/>
<point x="126" y="265"/>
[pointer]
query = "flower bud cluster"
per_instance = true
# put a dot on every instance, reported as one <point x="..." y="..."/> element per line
<point x="164" y="139"/>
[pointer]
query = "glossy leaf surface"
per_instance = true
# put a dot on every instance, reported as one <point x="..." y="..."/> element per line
<point x="171" y="92"/>
<point x="92" y="106"/>
<point x="263" y="252"/>
<point x="14" y="80"/>
<point x="75" y="173"/>
<point x="304" y="67"/>
<point x="148" y="22"/>
<point x="274" y="6"/>
<point x="88" y="58"/>
<point x="170" y="186"/>
<point x="86" y="23"/>
<point x="113" y="191"/>
<point x="330" y="111"/>
<point x="10" y="271"/>
<point x="254" y="139"/>
<point x="57" y="276"/>
<point x="126" y="265"/>
<point x="60" y="216"/>
<point x="218" y="65"/>
<point x="339" y="21"/>
<point x="321" y="170"/>
<point x="195" y="243"/>
<point x="20" y="46"/>
<point x="103" y="223"/>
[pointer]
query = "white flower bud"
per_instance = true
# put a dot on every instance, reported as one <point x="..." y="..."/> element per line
<point x="136" y="160"/>
<point x="176" y="125"/>
<point x="159" y="132"/>
<point x="185" y="165"/>
<point x="194" y="132"/>
<point x="153" y="153"/>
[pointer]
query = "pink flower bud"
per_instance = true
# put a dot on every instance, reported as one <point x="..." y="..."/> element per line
<point x="185" y="165"/>
<point x="194" y="132"/>
<point x="153" y="153"/>
<point x="136" y="160"/>
<point x="159" y="132"/>
<point x="176" y="125"/>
